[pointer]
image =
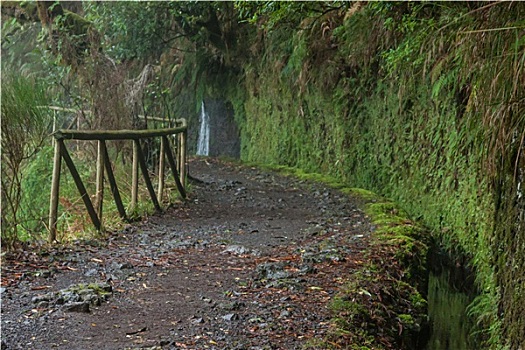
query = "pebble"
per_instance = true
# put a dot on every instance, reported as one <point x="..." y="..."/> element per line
<point x="284" y="314"/>
<point x="43" y="304"/>
<point x="81" y="306"/>
<point x="197" y="320"/>
<point x="230" y="317"/>
<point x="237" y="249"/>
<point x="91" y="272"/>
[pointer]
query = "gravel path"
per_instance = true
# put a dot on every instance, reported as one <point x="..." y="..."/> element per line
<point x="250" y="261"/>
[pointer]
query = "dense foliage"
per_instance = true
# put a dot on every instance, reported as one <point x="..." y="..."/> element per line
<point x="25" y="125"/>
<point x="420" y="102"/>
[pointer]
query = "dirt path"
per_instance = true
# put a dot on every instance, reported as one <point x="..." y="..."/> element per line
<point x="250" y="261"/>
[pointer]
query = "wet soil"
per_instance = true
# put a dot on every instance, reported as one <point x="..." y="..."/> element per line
<point x="250" y="260"/>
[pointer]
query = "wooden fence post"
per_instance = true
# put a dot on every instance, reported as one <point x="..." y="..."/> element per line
<point x="179" y="143"/>
<point x="99" y="198"/>
<point x="160" y="190"/>
<point x="182" y="172"/>
<point x="135" y="177"/>
<point x="113" y="185"/>
<point x="173" y="167"/>
<point x="55" y="186"/>
<point x="145" y="175"/>
<point x="81" y="188"/>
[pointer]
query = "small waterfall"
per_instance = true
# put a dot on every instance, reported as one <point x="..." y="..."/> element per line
<point x="203" y="144"/>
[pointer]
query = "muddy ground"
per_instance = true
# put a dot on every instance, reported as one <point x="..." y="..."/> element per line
<point x="250" y="261"/>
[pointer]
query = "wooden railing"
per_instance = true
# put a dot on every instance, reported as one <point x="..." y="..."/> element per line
<point x="177" y="166"/>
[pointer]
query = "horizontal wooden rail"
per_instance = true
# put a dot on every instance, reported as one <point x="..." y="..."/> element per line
<point x="178" y="169"/>
<point x="107" y="135"/>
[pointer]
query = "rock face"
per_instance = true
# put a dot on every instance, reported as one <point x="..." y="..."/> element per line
<point x="224" y="134"/>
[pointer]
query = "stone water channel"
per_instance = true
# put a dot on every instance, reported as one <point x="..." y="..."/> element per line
<point x="450" y="292"/>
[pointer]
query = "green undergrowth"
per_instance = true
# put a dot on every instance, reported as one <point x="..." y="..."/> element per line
<point x="328" y="180"/>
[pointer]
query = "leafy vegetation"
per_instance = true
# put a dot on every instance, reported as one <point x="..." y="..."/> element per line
<point x="60" y="63"/>
<point x="25" y="125"/>
<point x="420" y="102"/>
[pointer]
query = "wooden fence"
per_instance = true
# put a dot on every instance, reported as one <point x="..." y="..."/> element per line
<point x="177" y="166"/>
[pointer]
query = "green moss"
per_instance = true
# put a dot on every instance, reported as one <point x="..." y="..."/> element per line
<point x="386" y="208"/>
<point x="349" y="308"/>
<point x="76" y="24"/>
<point x="419" y="301"/>
<point x="361" y="193"/>
<point x="406" y="320"/>
<point x="98" y="289"/>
